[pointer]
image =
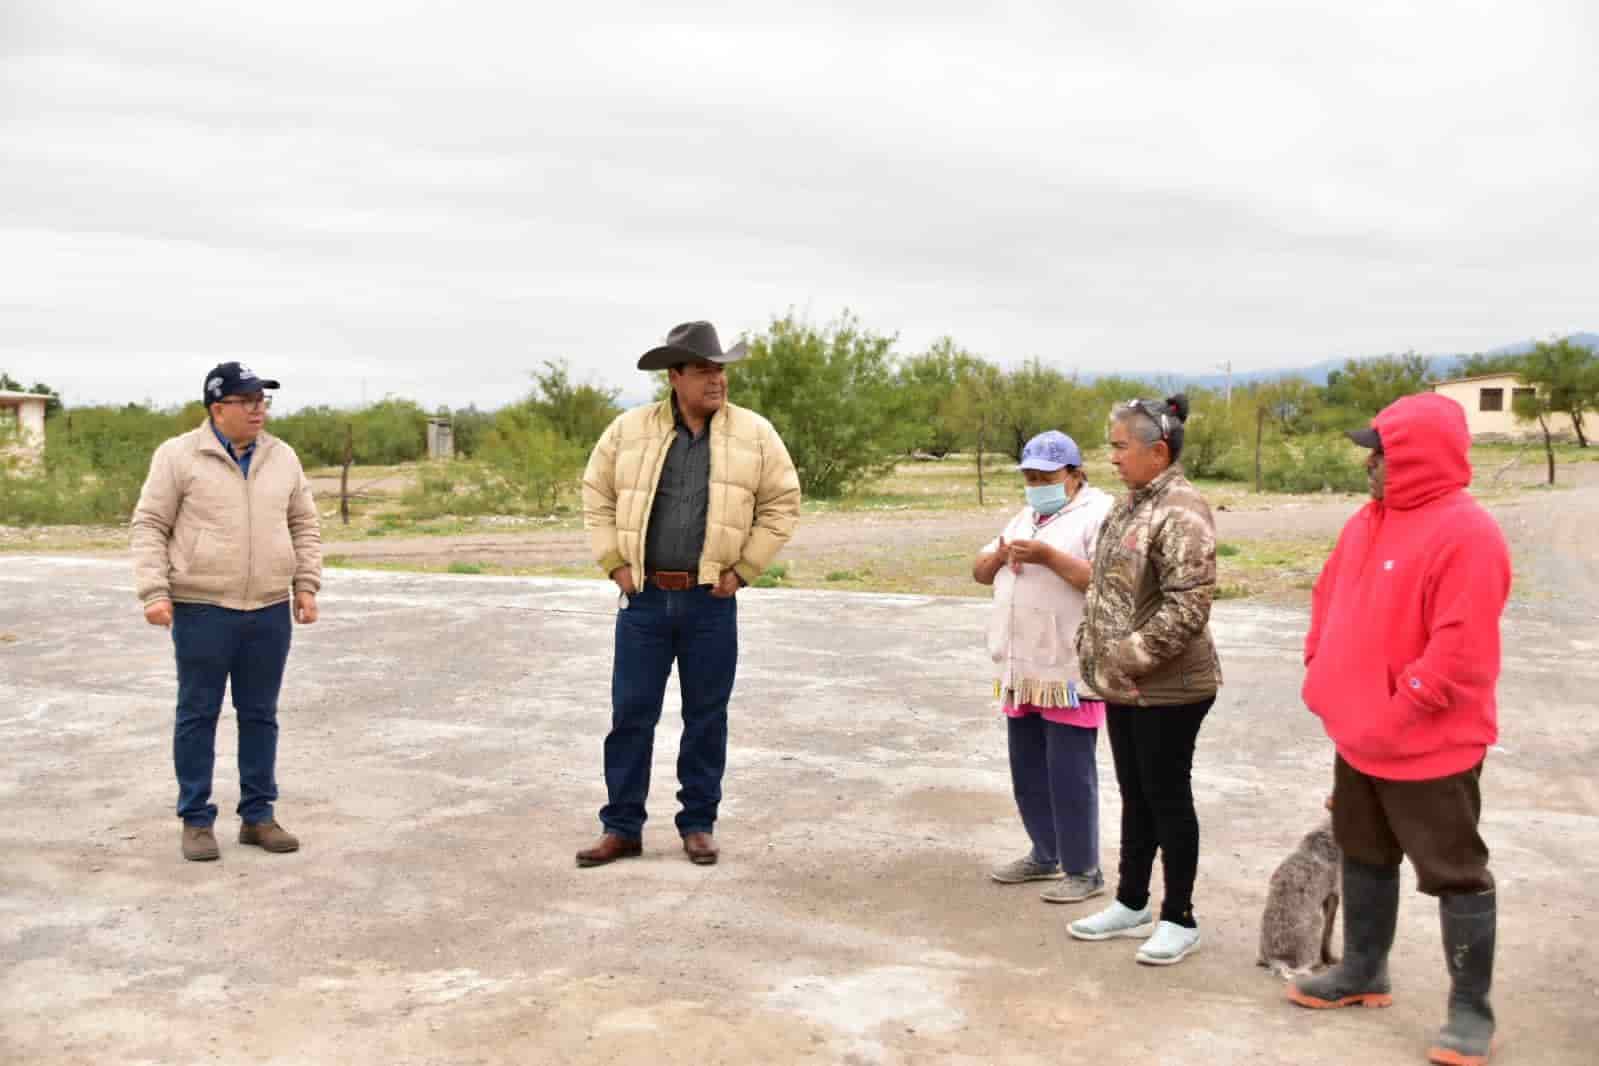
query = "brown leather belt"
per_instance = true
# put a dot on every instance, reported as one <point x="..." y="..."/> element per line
<point x="672" y="580"/>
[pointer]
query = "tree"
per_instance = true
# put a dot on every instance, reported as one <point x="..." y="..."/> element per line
<point x="1481" y="365"/>
<point x="579" y="413"/>
<point x="1369" y="385"/>
<point x="1034" y="397"/>
<point x="972" y="408"/>
<point x="1569" y="374"/>
<point x="926" y="384"/>
<point x="528" y="460"/>
<point x="830" y="393"/>
<point x="1564" y="379"/>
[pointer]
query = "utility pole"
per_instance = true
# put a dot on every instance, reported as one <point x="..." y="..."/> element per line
<point x="1228" y="366"/>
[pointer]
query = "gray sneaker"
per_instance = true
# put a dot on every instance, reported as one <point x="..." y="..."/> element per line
<point x="1025" y="869"/>
<point x="1075" y="888"/>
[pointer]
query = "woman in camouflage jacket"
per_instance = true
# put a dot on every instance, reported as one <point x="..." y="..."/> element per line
<point x="1145" y="646"/>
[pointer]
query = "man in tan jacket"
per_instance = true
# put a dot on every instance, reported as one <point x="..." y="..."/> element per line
<point x="686" y="501"/>
<point x="224" y="535"/>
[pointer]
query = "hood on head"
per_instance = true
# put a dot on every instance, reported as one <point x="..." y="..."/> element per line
<point x="1427" y="447"/>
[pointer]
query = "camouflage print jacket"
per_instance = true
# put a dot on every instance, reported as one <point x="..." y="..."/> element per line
<point x="1145" y="638"/>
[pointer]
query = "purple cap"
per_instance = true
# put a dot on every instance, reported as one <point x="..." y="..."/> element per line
<point x="1049" y="451"/>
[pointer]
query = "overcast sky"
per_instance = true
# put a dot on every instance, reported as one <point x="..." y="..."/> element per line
<point x="364" y="197"/>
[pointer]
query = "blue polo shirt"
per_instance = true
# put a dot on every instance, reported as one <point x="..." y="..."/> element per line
<point x="242" y="458"/>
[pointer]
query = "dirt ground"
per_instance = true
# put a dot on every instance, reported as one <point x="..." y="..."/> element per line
<point x="440" y="758"/>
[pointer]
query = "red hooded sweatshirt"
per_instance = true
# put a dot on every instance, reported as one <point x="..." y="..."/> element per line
<point x="1403" y="652"/>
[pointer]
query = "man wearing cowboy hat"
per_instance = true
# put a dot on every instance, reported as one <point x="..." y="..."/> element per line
<point x="686" y="501"/>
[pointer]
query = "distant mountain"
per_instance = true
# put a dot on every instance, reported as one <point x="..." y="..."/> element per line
<point x="1584" y="340"/>
<point x="1440" y="366"/>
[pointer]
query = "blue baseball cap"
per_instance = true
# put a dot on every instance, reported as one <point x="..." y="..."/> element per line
<point x="1050" y="451"/>
<point x="234" y="379"/>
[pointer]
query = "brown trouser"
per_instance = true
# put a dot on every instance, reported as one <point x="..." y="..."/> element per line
<point x="1377" y="822"/>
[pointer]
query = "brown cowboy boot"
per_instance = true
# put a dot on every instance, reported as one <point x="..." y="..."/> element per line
<point x="701" y="848"/>
<point x="609" y="848"/>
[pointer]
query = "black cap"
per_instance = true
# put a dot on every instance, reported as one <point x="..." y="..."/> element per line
<point x="233" y="379"/>
<point x="1366" y="438"/>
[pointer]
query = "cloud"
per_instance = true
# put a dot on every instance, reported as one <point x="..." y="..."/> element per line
<point x="431" y="198"/>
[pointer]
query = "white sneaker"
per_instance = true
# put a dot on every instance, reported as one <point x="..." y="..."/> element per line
<point x="1116" y="920"/>
<point x="1170" y="945"/>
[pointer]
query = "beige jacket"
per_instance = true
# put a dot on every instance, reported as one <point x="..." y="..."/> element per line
<point x="754" y="491"/>
<point x="203" y="534"/>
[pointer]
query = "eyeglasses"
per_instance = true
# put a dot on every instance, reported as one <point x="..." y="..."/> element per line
<point x="1157" y="412"/>
<point x="259" y="403"/>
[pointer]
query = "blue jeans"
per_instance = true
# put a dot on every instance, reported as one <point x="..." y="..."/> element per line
<point x="700" y="633"/>
<point x="1056" y="783"/>
<point x="215" y="645"/>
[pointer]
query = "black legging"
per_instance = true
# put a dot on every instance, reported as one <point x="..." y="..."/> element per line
<point x="1154" y="752"/>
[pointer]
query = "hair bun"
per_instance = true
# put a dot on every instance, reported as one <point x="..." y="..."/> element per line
<point x="1178" y="405"/>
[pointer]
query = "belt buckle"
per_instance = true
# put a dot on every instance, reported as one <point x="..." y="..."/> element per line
<point x="673" y="580"/>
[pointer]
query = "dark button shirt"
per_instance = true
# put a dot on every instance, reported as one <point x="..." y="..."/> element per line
<point x="676" y="536"/>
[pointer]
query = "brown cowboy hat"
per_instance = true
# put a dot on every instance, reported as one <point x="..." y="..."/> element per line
<point x="688" y="343"/>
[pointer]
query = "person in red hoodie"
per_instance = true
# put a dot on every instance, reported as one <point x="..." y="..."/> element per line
<point x="1401" y="663"/>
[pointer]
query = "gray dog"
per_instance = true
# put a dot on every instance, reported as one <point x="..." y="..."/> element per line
<point x="1296" y="929"/>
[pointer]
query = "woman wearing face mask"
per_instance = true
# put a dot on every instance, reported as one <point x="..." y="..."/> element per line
<point x="1039" y="570"/>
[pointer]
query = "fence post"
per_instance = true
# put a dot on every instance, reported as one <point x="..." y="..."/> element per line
<point x="982" y="431"/>
<point x="1260" y="428"/>
<point x="344" y="476"/>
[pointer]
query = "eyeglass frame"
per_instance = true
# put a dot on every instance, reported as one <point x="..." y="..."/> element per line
<point x="262" y="402"/>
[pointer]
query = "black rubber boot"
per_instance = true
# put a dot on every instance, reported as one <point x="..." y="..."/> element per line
<point x="1371" y="911"/>
<point x="1468" y="925"/>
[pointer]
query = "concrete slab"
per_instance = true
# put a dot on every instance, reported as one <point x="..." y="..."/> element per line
<point x="440" y="758"/>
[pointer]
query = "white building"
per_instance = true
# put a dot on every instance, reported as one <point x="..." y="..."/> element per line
<point x="1489" y="400"/>
<point x="22" y="423"/>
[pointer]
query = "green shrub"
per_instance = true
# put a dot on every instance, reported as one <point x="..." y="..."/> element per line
<point x="1317" y="464"/>
<point x="772" y="577"/>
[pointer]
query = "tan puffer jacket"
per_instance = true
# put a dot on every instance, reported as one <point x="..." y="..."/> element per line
<point x="754" y="491"/>
<point x="203" y="534"/>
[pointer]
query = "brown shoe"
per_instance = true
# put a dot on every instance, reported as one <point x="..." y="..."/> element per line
<point x="609" y="848"/>
<point x="200" y="844"/>
<point x="268" y="835"/>
<point x="701" y="849"/>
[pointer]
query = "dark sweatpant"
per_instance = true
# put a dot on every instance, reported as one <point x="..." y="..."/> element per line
<point x="1056" y="783"/>
<point x="1377" y="822"/>
<point x="1154" y="752"/>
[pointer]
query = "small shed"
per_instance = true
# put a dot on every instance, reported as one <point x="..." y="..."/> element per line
<point x="441" y="438"/>
<point x="1490" y="403"/>
<point x="22" y="423"/>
